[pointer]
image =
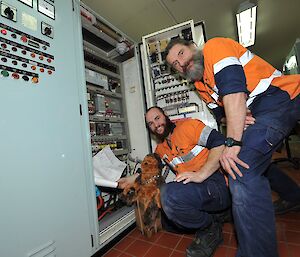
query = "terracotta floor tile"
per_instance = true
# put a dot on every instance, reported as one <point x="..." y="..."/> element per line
<point x="112" y="253"/>
<point x="177" y="254"/>
<point x="233" y="241"/>
<point x="280" y="234"/>
<point x="293" y="225"/>
<point x="228" y="227"/>
<point x="154" y="238"/>
<point x="283" y="249"/>
<point x="293" y="237"/>
<point x="183" y="244"/>
<point x="294" y="250"/>
<point x="159" y="251"/>
<point x="124" y="243"/>
<point x="226" y="239"/>
<point x="126" y="255"/>
<point x="135" y="234"/>
<point x="220" y="252"/>
<point x="138" y="248"/>
<point x="231" y="252"/>
<point x="169" y="240"/>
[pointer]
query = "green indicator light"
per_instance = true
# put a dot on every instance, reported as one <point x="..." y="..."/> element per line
<point x="4" y="73"/>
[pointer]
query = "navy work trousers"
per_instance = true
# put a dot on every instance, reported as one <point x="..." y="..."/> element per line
<point x="252" y="207"/>
<point x="189" y="205"/>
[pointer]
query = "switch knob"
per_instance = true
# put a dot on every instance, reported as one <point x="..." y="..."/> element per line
<point x="48" y="31"/>
<point x="9" y="13"/>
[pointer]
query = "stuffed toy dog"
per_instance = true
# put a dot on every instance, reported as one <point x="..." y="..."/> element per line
<point x="145" y="194"/>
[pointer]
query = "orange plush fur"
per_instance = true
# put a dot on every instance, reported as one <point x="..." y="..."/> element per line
<point x="145" y="194"/>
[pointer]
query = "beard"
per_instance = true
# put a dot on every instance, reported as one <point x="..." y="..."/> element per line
<point x="196" y="72"/>
<point x="168" y="128"/>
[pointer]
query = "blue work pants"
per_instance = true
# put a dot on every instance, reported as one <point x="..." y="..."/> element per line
<point x="190" y="205"/>
<point x="252" y="207"/>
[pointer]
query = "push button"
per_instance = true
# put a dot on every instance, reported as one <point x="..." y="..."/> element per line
<point x="13" y="35"/>
<point x="3" y="31"/>
<point x="49" y="60"/>
<point x="24" y="39"/>
<point x="41" y="57"/>
<point x="4" y="73"/>
<point x="35" y="80"/>
<point x="32" y="55"/>
<point x="23" y="52"/>
<point x="42" y="69"/>
<point x="3" y="45"/>
<point x="33" y="67"/>
<point x="14" y="49"/>
<point x="24" y="65"/>
<point x="25" y="78"/>
<point x="15" y="75"/>
<point x="49" y="72"/>
<point x="14" y="62"/>
<point x="3" y="59"/>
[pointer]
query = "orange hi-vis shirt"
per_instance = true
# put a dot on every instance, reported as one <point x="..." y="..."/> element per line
<point x="187" y="151"/>
<point x="231" y="68"/>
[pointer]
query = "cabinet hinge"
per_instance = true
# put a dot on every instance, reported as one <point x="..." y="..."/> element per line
<point x="80" y="109"/>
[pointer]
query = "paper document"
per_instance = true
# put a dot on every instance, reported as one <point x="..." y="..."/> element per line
<point x="107" y="168"/>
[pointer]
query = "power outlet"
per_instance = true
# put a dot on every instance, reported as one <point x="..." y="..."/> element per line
<point x="8" y="11"/>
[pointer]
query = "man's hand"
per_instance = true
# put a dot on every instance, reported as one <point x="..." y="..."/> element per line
<point x="249" y="119"/>
<point x="189" y="176"/>
<point x="127" y="181"/>
<point x="229" y="159"/>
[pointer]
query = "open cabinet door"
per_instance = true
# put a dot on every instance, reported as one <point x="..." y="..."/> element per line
<point x="46" y="184"/>
<point x="164" y="87"/>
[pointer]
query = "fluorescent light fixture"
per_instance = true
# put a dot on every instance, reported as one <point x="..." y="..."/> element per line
<point x="246" y="21"/>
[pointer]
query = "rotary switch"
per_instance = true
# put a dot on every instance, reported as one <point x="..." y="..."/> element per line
<point x="9" y="13"/>
<point x="47" y="30"/>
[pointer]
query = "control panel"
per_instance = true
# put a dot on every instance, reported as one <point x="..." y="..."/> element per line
<point x="26" y="40"/>
<point x="164" y="86"/>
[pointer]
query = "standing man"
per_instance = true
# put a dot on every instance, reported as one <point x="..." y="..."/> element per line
<point x="228" y="75"/>
<point x="199" y="193"/>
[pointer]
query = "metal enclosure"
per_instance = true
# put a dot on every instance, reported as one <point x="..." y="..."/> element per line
<point x="164" y="87"/>
<point x="47" y="193"/>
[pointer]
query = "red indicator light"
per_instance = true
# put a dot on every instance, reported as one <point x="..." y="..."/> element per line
<point x="3" y="31"/>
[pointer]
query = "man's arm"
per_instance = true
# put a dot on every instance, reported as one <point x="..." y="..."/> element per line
<point x="212" y="165"/>
<point x="235" y="110"/>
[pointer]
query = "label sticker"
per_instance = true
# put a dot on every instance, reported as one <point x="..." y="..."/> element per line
<point x="46" y="8"/>
<point x="29" y="21"/>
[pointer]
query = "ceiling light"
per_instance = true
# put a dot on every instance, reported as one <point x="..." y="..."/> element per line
<point x="246" y="21"/>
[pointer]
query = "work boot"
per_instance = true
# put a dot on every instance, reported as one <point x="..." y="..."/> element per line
<point x="206" y="241"/>
<point x="282" y="206"/>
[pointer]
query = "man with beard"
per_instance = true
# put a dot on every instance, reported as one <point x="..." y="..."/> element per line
<point x="228" y="75"/>
<point x="199" y="194"/>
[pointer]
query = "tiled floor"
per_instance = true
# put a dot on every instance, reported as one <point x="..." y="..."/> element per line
<point x="165" y="244"/>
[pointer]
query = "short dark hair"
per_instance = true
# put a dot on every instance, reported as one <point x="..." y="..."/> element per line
<point x="176" y="41"/>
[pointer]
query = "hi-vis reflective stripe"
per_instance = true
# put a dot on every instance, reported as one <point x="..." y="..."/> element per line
<point x="204" y="135"/>
<point x="220" y="65"/>
<point x="181" y="159"/>
<point x="212" y="106"/>
<point x="243" y="60"/>
<point x="246" y="57"/>
<point x="262" y="86"/>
